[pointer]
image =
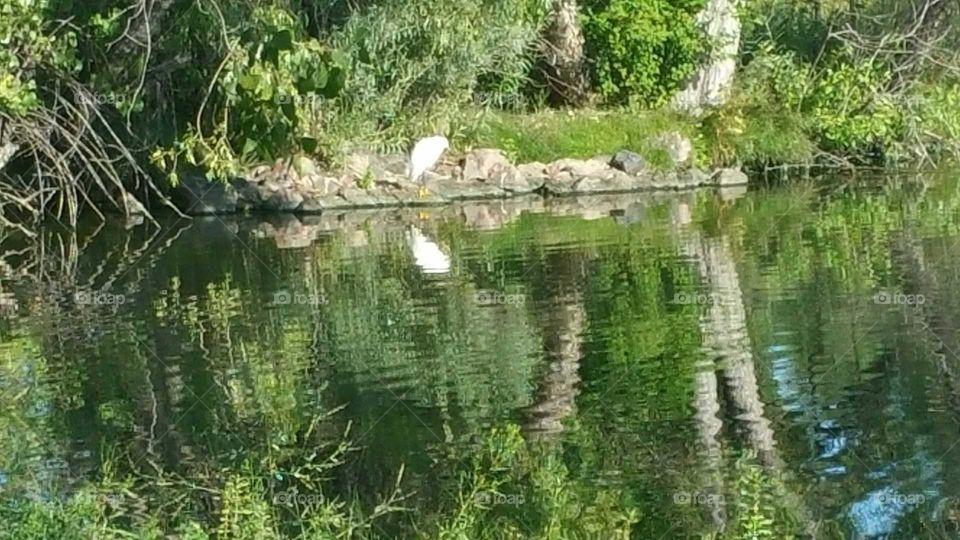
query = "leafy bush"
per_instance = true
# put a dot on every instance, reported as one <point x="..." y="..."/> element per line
<point x="266" y="91"/>
<point x="844" y="105"/>
<point x="852" y="111"/>
<point x="932" y="122"/>
<point x="641" y="50"/>
<point x="417" y="64"/>
<point x="23" y="48"/>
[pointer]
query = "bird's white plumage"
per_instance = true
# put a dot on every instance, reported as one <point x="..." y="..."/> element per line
<point x="426" y="253"/>
<point x="425" y="154"/>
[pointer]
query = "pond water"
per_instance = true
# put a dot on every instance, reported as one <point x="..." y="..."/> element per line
<point x="783" y="360"/>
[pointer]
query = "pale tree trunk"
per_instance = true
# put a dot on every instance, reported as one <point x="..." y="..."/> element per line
<point x="727" y="345"/>
<point x="564" y="322"/>
<point x="7" y="151"/>
<point x="706" y="402"/>
<point x="7" y="147"/>
<point x="725" y="338"/>
<point x="564" y="54"/>
<point x="711" y="82"/>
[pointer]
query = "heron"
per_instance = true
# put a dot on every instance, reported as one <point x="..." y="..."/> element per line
<point x="426" y="253"/>
<point x="425" y="154"/>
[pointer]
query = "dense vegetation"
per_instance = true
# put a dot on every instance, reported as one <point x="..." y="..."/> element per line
<point x="97" y="96"/>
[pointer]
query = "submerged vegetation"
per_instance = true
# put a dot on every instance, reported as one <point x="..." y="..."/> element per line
<point x="102" y="97"/>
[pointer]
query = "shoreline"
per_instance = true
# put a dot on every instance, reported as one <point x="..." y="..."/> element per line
<point x="371" y="181"/>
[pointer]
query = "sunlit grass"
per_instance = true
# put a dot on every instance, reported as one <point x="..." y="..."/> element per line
<point x="554" y="134"/>
<point x="731" y="135"/>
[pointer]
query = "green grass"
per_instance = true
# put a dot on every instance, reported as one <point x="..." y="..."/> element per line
<point x="554" y="134"/>
<point x="748" y="135"/>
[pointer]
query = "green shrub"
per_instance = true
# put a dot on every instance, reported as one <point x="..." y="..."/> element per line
<point x="842" y="104"/>
<point x="417" y="64"/>
<point x="641" y="50"/>
<point x="932" y="122"/>
<point x="852" y="111"/>
<point x="263" y="98"/>
<point x="21" y="29"/>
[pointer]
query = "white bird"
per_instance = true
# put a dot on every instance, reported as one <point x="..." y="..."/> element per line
<point x="426" y="253"/>
<point x="425" y="155"/>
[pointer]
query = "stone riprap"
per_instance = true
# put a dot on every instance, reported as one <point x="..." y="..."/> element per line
<point x="380" y="181"/>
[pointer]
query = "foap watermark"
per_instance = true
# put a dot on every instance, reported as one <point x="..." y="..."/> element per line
<point x="98" y="98"/>
<point x="687" y="298"/>
<point x="292" y="497"/>
<point x="685" y="498"/>
<point x="493" y="498"/>
<point x="898" y="299"/>
<point x="287" y="298"/>
<point x="98" y="298"/>
<point x="496" y="298"/>
<point x="901" y="499"/>
<point x="306" y="100"/>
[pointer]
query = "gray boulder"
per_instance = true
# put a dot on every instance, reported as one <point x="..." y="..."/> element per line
<point x="282" y="200"/>
<point x="628" y="162"/>
<point x="484" y="163"/>
<point x="196" y="195"/>
<point x="730" y="177"/>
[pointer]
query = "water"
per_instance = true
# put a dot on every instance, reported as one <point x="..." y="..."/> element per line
<point x="794" y="347"/>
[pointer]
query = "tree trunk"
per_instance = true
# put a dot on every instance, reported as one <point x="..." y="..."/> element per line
<point x="7" y="151"/>
<point x="563" y="326"/>
<point x="711" y="82"/>
<point x="7" y="147"/>
<point x="706" y="402"/>
<point x="567" y="74"/>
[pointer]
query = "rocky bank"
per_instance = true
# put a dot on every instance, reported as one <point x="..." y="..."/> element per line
<point x="300" y="186"/>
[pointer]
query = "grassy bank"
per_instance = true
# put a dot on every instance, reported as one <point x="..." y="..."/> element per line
<point x="728" y="137"/>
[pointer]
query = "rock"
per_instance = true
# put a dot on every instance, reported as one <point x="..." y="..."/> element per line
<point x="317" y="204"/>
<point x="304" y="166"/>
<point x="452" y="190"/>
<point x="692" y="178"/>
<point x="730" y="177"/>
<point x="666" y="180"/>
<point x="320" y="184"/>
<point x="492" y="167"/>
<point x="395" y="164"/>
<point x="248" y="194"/>
<point x="572" y="176"/>
<point x="282" y="200"/>
<point x="367" y="198"/>
<point x="520" y="184"/>
<point x="612" y="181"/>
<point x="312" y="205"/>
<point x="578" y="168"/>
<point x="484" y="163"/>
<point x="678" y="148"/>
<point x="534" y="173"/>
<point x="195" y="195"/>
<point x="360" y="164"/>
<point x="357" y="164"/>
<point x="628" y="162"/>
